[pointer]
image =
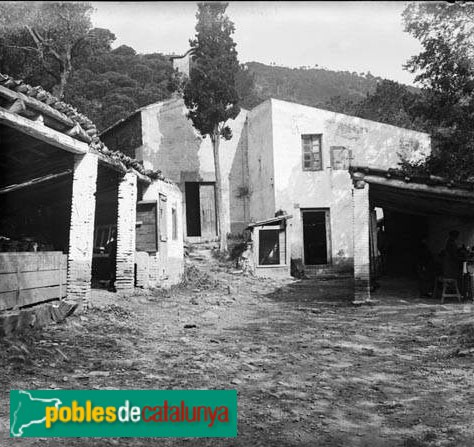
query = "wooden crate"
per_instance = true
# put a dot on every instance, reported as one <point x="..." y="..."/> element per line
<point x="31" y="277"/>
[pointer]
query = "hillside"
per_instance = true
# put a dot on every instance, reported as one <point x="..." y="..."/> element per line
<point x="316" y="87"/>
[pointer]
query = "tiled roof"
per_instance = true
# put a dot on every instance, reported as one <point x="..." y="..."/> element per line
<point x="76" y="124"/>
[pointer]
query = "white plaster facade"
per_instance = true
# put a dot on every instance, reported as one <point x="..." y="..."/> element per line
<point x="277" y="180"/>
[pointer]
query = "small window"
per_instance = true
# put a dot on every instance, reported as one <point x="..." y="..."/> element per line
<point x="340" y="157"/>
<point x="269" y="247"/>
<point x="174" y="223"/>
<point x="312" y="153"/>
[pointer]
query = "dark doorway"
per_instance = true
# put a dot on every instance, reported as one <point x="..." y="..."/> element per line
<point x="200" y="209"/>
<point x="193" y="215"/>
<point x="105" y="228"/>
<point x="315" y="237"/>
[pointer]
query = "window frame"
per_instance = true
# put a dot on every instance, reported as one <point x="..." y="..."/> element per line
<point x="304" y="152"/>
<point x="279" y="228"/>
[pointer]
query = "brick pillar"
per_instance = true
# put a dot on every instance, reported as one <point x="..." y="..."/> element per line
<point x="126" y="219"/>
<point x="361" y="228"/>
<point x="81" y="232"/>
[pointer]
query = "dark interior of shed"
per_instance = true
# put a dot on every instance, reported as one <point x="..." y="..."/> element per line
<point x="403" y="234"/>
<point x="406" y="265"/>
<point x="105" y="229"/>
<point x="35" y="194"/>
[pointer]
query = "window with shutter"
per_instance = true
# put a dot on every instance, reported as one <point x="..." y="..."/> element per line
<point x="312" y="152"/>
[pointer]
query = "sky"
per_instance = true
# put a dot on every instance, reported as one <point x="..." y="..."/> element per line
<point x="352" y="36"/>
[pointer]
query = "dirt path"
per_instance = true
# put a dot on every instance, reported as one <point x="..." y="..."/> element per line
<point x="310" y="369"/>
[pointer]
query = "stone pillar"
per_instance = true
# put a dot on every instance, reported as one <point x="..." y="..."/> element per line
<point x="81" y="232"/>
<point x="126" y="220"/>
<point x="361" y="228"/>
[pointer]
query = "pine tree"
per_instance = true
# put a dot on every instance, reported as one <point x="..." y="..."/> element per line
<point x="210" y="94"/>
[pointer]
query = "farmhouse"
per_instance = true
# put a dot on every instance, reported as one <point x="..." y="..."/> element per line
<point x="283" y="157"/>
<point x="63" y="195"/>
<point x="298" y="161"/>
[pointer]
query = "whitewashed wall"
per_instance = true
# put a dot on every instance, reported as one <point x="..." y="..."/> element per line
<point x="292" y="189"/>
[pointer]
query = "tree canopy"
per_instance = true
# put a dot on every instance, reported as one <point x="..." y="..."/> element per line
<point x="211" y="95"/>
<point x="446" y="72"/>
<point x="47" y="36"/>
<point x="105" y="84"/>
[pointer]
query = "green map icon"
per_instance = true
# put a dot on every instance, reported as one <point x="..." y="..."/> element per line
<point x="28" y="411"/>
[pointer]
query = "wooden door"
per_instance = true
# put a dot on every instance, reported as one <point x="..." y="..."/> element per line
<point x="316" y="237"/>
<point x="146" y="229"/>
<point x="163" y="234"/>
<point x="207" y="199"/>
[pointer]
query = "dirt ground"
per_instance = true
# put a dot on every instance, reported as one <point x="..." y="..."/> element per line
<point x="310" y="368"/>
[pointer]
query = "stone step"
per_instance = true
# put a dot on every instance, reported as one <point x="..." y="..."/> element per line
<point x="327" y="272"/>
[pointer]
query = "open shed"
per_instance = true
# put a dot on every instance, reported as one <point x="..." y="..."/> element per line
<point x="414" y="209"/>
<point x="53" y="171"/>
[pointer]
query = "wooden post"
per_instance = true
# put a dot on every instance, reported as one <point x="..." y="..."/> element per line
<point x="60" y="278"/>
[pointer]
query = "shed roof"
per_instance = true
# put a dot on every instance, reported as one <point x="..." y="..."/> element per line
<point x="422" y="195"/>
<point x="23" y="106"/>
<point x="272" y="220"/>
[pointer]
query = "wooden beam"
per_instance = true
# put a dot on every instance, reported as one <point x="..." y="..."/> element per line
<point x="43" y="133"/>
<point x="425" y="190"/>
<point x="33" y="182"/>
<point x="410" y="195"/>
<point x="37" y="105"/>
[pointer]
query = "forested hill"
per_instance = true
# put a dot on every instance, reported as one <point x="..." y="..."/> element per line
<point x="316" y="87"/>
